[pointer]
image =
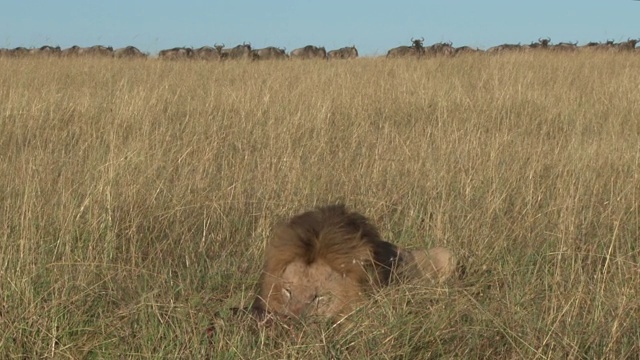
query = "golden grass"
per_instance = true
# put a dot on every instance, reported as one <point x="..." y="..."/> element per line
<point x="137" y="197"/>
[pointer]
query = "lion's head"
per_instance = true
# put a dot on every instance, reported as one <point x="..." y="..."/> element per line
<point x="323" y="262"/>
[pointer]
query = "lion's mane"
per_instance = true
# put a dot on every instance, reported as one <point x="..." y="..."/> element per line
<point x="344" y="240"/>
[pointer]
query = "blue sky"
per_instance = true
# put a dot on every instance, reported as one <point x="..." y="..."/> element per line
<point x="373" y="26"/>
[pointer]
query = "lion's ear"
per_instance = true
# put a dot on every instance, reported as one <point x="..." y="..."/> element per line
<point x="284" y="238"/>
<point x="284" y="246"/>
<point x="282" y="233"/>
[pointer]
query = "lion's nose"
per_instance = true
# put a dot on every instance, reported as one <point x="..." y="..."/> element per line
<point x="301" y="308"/>
<point x="297" y="309"/>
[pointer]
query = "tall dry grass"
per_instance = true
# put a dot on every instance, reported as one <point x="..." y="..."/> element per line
<point x="137" y="197"/>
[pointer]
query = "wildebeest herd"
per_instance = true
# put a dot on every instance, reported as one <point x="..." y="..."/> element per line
<point x="245" y="51"/>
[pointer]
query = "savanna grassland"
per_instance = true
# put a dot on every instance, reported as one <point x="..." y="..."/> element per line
<point x="137" y="196"/>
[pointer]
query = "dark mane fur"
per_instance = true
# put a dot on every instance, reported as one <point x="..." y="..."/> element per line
<point x="335" y="235"/>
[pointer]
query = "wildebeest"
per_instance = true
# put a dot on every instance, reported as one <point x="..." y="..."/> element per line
<point x="628" y="45"/>
<point x="71" y="51"/>
<point x="219" y="48"/>
<point x="309" y="52"/>
<point x="270" y="53"/>
<point x="440" y="49"/>
<point x="18" y="52"/>
<point x="211" y="53"/>
<point x="176" y="53"/>
<point x="504" y="48"/>
<point x="606" y="46"/>
<point x="206" y="53"/>
<point x="46" y="51"/>
<point x="131" y="52"/>
<point x="544" y="42"/>
<point x="466" y="50"/>
<point x="541" y="44"/>
<point x="416" y="49"/>
<point x="564" y="46"/>
<point x="343" y="53"/>
<point x="96" y="50"/>
<point x="239" y="52"/>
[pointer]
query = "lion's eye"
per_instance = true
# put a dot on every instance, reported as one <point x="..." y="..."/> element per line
<point x="286" y="293"/>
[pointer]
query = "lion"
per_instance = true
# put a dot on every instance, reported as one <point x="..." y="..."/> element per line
<point x="324" y="262"/>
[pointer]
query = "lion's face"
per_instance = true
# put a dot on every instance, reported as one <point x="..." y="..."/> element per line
<point x="311" y="290"/>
